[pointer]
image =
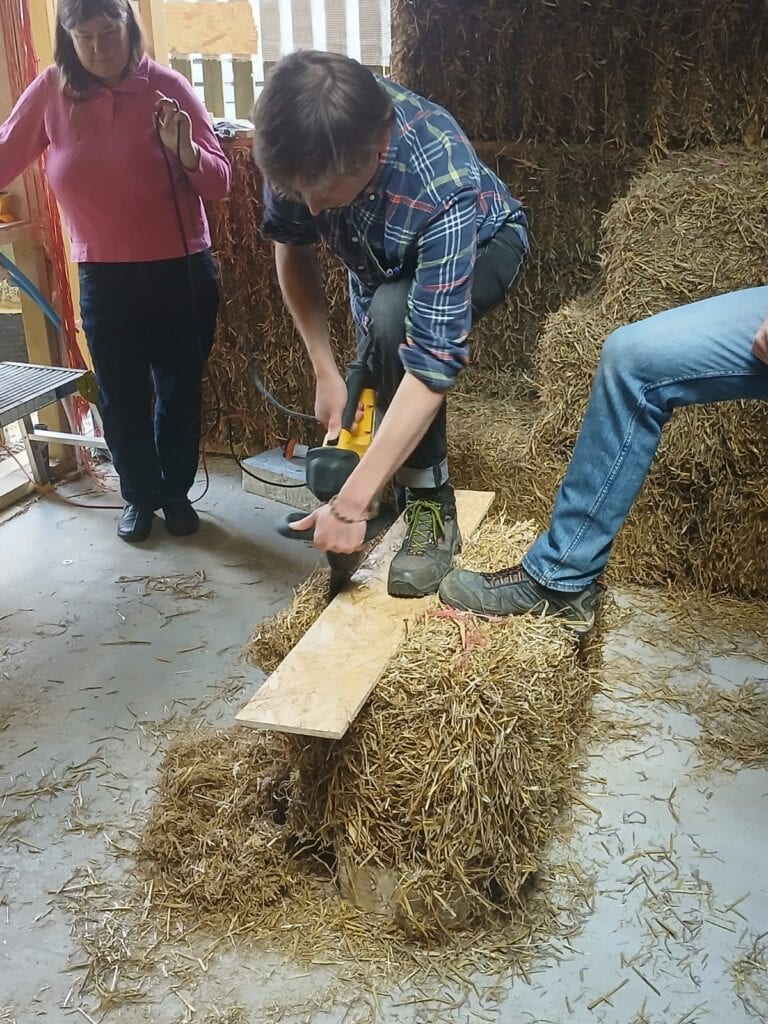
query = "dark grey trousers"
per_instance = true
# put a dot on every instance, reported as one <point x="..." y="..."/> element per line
<point x="497" y="265"/>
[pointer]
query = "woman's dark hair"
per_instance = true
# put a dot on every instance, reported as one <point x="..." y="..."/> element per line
<point x="75" y="80"/>
<point x="320" y="114"/>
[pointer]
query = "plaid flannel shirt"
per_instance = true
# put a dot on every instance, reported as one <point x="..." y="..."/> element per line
<point x="430" y="205"/>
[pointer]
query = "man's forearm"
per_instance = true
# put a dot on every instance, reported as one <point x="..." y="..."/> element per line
<point x="404" y="424"/>
<point x="301" y="284"/>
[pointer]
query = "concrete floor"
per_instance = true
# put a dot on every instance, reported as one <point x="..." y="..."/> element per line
<point x="91" y="667"/>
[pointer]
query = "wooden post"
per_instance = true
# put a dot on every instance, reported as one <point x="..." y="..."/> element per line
<point x="27" y="251"/>
<point x="152" y="20"/>
<point x="213" y="87"/>
<point x="43" y="21"/>
<point x="242" y="71"/>
<point x="184" y="66"/>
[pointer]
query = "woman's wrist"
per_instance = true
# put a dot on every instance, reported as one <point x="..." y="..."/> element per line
<point x="190" y="157"/>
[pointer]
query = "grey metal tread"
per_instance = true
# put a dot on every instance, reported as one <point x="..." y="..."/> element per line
<point x="25" y="388"/>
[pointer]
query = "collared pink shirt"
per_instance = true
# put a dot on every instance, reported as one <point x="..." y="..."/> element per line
<point x="105" y="165"/>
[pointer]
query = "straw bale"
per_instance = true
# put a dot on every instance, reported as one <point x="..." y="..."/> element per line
<point x="255" y="327"/>
<point x="436" y="827"/>
<point x="424" y="823"/>
<point x="691" y="227"/>
<point x="212" y="836"/>
<point x="275" y="637"/>
<point x="491" y="432"/>
<point x="565" y="192"/>
<point x="660" y="73"/>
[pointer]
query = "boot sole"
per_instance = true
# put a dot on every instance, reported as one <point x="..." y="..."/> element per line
<point x="578" y="626"/>
<point x="406" y="590"/>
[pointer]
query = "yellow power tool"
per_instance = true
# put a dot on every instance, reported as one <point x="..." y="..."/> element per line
<point x="329" y="466"/>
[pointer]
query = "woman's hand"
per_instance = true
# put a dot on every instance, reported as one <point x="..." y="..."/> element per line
<point x="175" y="129"/>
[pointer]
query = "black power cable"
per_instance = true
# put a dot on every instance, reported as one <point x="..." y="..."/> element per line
<point x="258" y="383"/>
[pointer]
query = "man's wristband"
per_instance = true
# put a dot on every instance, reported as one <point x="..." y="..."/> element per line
<point x="344" y="519"/>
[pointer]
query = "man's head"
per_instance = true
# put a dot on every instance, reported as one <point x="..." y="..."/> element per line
<point x="321" y="123"/>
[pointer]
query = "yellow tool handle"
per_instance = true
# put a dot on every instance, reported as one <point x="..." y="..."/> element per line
<point x="358" y="439"/>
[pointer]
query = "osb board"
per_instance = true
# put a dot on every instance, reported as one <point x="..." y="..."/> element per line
<point x="210" y="28"/>
<point x="327" y="677"/>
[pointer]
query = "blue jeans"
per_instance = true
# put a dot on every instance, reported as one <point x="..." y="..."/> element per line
<point x="149" y="328"/>
<point x="686" y="356"/>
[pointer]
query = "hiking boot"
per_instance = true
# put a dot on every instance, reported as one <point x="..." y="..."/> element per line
<point x="431" y="540"/>
<point x="180" y="517"/>
<point x="514" y="592"/>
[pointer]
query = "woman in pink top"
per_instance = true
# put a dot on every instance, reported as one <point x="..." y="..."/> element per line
<point x="130" y="156"/>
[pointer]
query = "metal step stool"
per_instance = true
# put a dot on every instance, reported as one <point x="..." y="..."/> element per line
<point x="26" y="388"/>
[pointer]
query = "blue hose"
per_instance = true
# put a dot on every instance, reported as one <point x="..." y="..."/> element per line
<point x="22" y="281"/>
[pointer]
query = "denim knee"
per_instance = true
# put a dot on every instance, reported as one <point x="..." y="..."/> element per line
<point x="631" y="352"/>
<point x="641" y="352"/>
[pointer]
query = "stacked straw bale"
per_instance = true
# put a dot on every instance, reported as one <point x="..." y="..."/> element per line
<point x="664" y="73"/>
<point x="569" y="100"/>
<point x="693" y="226"/>
<point x="565" y="192"/>
<point x="255" y="327"/>
<point x="433" y="827"/>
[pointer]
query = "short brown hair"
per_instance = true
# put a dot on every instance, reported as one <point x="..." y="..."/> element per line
<point x="320" y="114"/>
<point x="75" y="80"/>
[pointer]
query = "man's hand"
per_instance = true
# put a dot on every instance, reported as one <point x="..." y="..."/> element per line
<point x="330" y="399"/>
<point x="330" y="533"/>
<point x="760" y="344"/>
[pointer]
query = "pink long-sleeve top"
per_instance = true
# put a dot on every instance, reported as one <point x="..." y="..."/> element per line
<point x="106" y="167"/>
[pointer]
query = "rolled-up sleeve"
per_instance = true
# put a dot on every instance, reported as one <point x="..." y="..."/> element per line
<point x="440" y="301"/>
<point x="287" y="221"/>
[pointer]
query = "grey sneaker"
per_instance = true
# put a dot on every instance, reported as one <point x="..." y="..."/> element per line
<point x="514" y="592"/>
<point x="427" y="552"/>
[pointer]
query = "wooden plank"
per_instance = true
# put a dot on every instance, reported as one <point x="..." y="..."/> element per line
<point x="211" y="29"/>
<point x="64" y="437"/>
<point x="301" y="16"/>
<point x="14" y="483"/>
<point x="213" y="87"/>
<point x="327" y="677"/>
<point x="242" y="74"/>
<point x="271" y="39"/>
<point x="16" y="231"/>
<point x="184" y="66"/>
<point x="336" y="28"/>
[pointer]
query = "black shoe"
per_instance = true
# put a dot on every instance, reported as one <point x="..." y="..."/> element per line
<point x="180" y="518"/>
<point x="432" y="540"/>
<point x="135" y="523"/>
<point x="513" y="592"/>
